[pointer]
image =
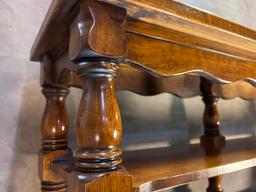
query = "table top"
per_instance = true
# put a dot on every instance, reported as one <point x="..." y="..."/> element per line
<point x="181" y="39"/>
<point x="181" y="17"/>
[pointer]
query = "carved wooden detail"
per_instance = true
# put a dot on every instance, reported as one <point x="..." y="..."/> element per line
<point x="140" y="81"/>
<point x="212" y="141"/>
<point x="55" y="119"/>
<point x="98" y="123"/>
<point x="146" y="47"/>
<point x="98" y="31"/>
<point x="175" y="59"/>
<point x="112" y="181"/>
<point x="57" y="39"/>
<point x="96" y="44"/>
<point x="215" y="184"/>
<point x="54" y="139"/>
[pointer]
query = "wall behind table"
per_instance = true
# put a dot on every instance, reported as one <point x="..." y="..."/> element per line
<point x="156" y="121"/>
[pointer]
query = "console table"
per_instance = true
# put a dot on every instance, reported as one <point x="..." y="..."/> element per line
<point x="147" y="47"/>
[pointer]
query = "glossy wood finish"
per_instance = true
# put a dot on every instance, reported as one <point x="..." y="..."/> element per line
<point x="113" y="181"/>
<point x="48" y="39"/>
<point x="212" y="141"/>
<point x="140" y="81"/>
<point x="95" y="35"/>
<point x="162" y="168"/>
<point x="171" y="8"/>
<point x="55" y="123"/>
<point x="155" y="169"/>
<point x="54" y="139"/>
<point x="98" y="123"/>
<point x="150" y="47"/>
<point x="184" y="59"/>
<point x="97" y="31"/>
<point x="211" y="43"/>
<point x="215" y="184"/>
<point x="194" y="49"/>
<point x="151" y="11"/>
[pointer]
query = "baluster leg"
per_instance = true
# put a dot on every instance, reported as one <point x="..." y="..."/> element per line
<point x="98" y="123"/>
<point x="97" y="46"/>
<point x="215" y="184"/>
<point x="212" y="141"/>
<point x="54" y="129"/>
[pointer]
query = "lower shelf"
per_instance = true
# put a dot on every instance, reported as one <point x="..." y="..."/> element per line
<point x="156" y="169"/>
<point x="161" y="168"/>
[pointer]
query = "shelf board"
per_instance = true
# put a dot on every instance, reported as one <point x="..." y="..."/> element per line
<point x="155" y="169"/>
<point x="162" y="168"/>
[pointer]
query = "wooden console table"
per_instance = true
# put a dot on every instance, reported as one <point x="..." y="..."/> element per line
<point x="148" y="47"/>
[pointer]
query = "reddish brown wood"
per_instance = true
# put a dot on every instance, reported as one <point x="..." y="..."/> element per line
<point x="160" y="168"/>
<point x="212" y="141"/>
<point x="61" y="74"/>
<point x="54" y="139"/>
<point x="82" y="44"/>
<point x="156" y="169"/>
<point x="112" y="181"/>
<point x="55" y="26"/>
<point x="215" y="184"/>
<point x="97" y="31"/>
<point x="55" y="119"/>
<point x="205" y="44"/>
<point x="96" y="38"/>
<point x="98" y="123"/>
<point x="175" y="58"/>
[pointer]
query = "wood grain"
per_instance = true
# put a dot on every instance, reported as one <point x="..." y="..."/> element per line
<point x="162" y="168"/>
<point x="52" y="37"/>
<point x="188" y="20"/>
<point x="114" y="181"/>
<point x="97" y="31"/>
<point x="150" y="47"/>
<point x="55" y="123"/>
<point x="98" y="122"/>
<point x="54" y="139"/>
<point x="169" y="38"/>
<point x="167" y="58"/>
<point x="155" y="169"/>
<point x="62" y="73"/>
<point x="212" y="140"/>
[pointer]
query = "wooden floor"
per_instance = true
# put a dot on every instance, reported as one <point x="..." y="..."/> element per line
<point x="156" y="169"/>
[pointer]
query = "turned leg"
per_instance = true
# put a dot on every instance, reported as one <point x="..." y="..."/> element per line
<point x="54" y="139"/>
<point x="215" y="184"/>
<point x="98" y="123"/>
<point x="212" y="141"/>
<point x="97" y="46"/>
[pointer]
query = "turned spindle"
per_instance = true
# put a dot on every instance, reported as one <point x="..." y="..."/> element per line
<point x="212" y="141"/>
<point x="54" y="129"/>
<point x="98" y="123"/>
<point x="215" y="184"/>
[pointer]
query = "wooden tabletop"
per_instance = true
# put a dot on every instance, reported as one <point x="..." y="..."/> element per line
<point x="163" y="37"/>
<point x="165" y="13"/>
